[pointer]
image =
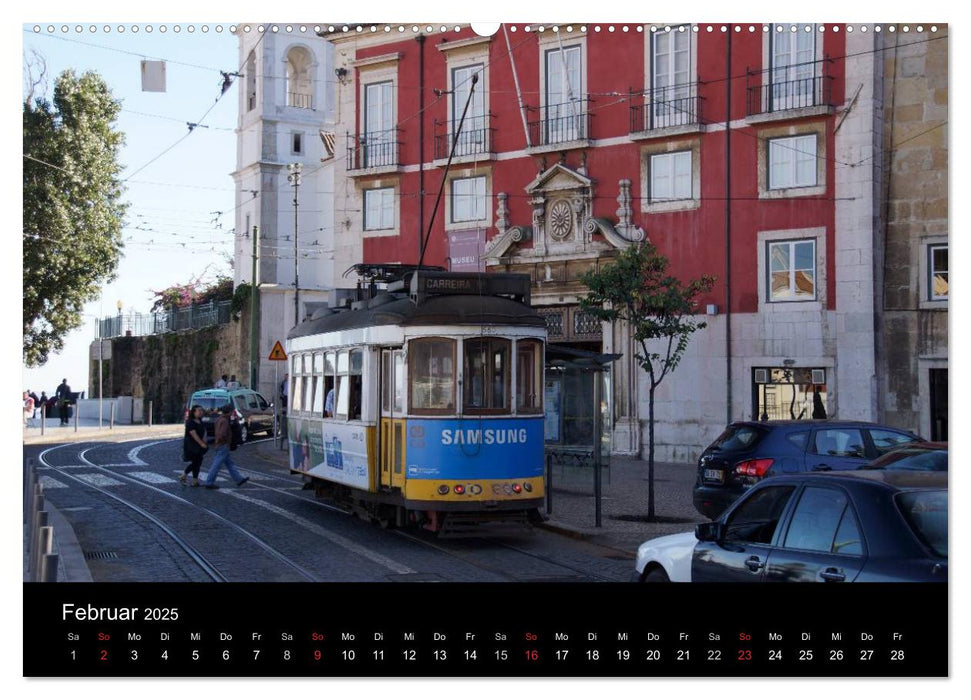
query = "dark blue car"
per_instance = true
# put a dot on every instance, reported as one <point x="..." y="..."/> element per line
<point x="748" y="451"/>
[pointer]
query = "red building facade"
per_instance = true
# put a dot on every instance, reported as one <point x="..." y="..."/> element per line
<point x="733" y="149"/>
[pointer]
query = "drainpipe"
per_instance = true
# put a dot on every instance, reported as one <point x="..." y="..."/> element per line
<point x="728" y="227"/>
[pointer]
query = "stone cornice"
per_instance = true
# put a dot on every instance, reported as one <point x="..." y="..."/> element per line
<point x="616" y="238"/>
<point x="462" y="43"/>
<point x="497" y="247"/>
<point x="375" y="60"/>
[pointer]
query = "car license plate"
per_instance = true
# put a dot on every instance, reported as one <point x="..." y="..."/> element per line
<point x="714" y="475"/>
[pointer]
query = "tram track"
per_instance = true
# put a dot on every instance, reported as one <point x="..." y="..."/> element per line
<point x="560" y="571"/>
<point x="211" y="571"/>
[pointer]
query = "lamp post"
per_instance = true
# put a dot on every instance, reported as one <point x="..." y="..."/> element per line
<point x="294" y="179"/>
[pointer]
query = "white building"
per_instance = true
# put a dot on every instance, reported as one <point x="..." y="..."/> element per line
<point x="286" y="116"/>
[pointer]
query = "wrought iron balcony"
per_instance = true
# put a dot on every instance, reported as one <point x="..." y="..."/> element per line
<point x="674" y="106"/>
<point x="300" y="100"/>
<point x="561" y="123"/>
<point x="792" y="87"/>
<point x="475" y="139"/>
<point x="376" y="150"/>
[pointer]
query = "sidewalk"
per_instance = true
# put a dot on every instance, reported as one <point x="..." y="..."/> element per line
<point x="624" y="499"/>
<point x="88" y="430"/>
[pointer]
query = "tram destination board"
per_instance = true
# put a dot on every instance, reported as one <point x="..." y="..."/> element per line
<point x="500" y="630"/>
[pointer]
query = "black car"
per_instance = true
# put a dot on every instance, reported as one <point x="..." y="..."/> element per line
<point x="748" y="451"/>
<point x="864" y="526"/>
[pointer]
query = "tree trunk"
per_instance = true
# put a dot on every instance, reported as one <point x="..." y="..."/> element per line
<point x="650" y="455"/>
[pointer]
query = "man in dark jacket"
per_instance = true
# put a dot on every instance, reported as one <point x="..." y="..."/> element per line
<point x="224" y="438"/>
<point x="63" y="396"/>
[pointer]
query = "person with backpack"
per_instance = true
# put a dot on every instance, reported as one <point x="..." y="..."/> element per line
<point x="193" y="445"/>
<point x="223" y="444"/>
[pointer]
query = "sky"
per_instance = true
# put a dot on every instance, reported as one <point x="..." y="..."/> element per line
<point x="179" y="225"/>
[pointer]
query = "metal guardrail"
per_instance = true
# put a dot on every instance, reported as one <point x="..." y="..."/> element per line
<point x="561" y="123"/>
<point x="789" y="87"/>
<point x="474" y="139"/>
<point x="678" y="105"/>
<point x="377" y="150"/>
<point x="41" y="557"/>
<point x="190" y="317"/>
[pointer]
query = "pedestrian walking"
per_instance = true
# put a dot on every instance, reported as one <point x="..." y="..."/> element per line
<point x="193" y="445"/>
<point x="36" y="402"/>
<point x="28" y="409"/>
<point x="223" y="444"/>
<point x="63" y="396"/>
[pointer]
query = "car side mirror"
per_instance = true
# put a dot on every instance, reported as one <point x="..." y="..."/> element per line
<point x="710" y="532"/>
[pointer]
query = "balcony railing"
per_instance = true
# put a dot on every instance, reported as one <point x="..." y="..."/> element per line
<point x="472" y="141"/>
<point x="561" y="123"/>
<point x="789" y="87"/>
<point x="677" y="105"/>
<point x="189" y="317"/>
<point x="300" y="100"/>
<point x="378" y="150"/>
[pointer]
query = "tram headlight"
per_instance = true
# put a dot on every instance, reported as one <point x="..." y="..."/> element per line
<point x="443" y="489"/>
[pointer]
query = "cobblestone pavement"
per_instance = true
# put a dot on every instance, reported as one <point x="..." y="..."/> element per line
<point x="134" y="521"/>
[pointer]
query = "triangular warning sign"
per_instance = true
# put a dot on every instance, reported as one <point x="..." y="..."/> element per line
<point x="277" y="352"/>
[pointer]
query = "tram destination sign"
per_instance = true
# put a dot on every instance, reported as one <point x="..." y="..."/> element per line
<point x="424" y="283"/>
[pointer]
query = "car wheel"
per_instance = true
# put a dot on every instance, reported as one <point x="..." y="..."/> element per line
<point x="656" y="575"/>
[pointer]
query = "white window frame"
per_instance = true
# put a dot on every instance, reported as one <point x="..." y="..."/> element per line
<point x="386" y="208"/>
<point x="668" y="91"/>
<point x="792" y="82"/>
<point x="380" y="131"/>
<point x="557" y="125"/>
<point x="476" y="197"/>
<point x="791" y="293"/>
<point x="294" y="137"/>
<point x="667" y="164"/>
<point x="785" y="154"/>
<point x="932" y="270"/>
<point x="473" y="134"/>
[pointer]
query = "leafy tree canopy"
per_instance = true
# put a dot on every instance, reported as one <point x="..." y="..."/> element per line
<point x="195" y="291"/>
<point x="72" y="207"/>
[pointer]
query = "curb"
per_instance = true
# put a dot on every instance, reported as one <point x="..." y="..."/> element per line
<point x="105" y="435"/>
<point x="70" y="555"/>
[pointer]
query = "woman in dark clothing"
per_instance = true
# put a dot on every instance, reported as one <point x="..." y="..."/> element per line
<point x="194" y="446"/>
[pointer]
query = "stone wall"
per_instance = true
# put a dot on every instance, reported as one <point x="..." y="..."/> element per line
<point x="166" y="369"/>
<point x="915" y="136"/>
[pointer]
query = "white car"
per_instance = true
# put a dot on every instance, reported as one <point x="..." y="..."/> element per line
<point x="666" y="558"/>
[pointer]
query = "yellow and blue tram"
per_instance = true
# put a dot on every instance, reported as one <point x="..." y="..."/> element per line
<point x="423" y="401"/>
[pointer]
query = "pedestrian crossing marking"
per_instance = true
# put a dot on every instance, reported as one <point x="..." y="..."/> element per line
<point x="152" y="477"/>
<point x="51" y="483"/>
<point x="98" y="480"/>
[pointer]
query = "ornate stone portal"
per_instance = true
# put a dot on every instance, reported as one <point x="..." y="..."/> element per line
<point x="563" y="223"/>
<point x="568" y="240"/>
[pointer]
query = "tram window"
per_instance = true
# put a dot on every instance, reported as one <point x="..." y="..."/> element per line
<point x="296" y="390"/>
<point x="330" y="369"/>
<point x="318" y="388"/>
<point x="529" y="376"/>
<point x="305" y="381"/>
<point x="431" y="375"/>
<point x="340" y="388"/>
<point x="399" y="382"/>
<point x="486" y="376"/>
<point x="355" y="385"/>
<point x="387" y="382"/>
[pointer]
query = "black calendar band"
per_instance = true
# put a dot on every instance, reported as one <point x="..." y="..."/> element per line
<point x="502" y="630"/>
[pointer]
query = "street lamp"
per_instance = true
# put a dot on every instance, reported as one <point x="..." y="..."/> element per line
<point x="118" y="305"/>
<point x="294" y="179"/>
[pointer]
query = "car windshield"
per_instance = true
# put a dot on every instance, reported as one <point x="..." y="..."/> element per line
<point x="738" y="437"/>
<point x="926" y="513"/>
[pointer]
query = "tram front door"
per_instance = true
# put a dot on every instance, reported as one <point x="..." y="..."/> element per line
<point x="392" y="421"/>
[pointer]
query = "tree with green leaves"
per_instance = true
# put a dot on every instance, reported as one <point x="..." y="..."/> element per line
<point x="659" y="311"/>
<point x="72" y="207"/>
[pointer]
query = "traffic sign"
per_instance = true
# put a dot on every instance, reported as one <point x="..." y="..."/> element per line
<point x="277" y="352"/>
